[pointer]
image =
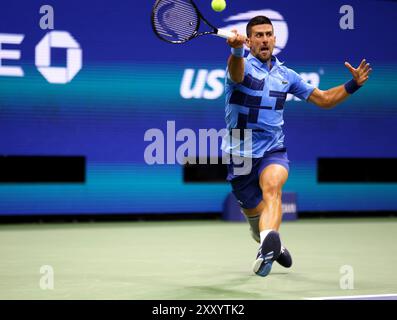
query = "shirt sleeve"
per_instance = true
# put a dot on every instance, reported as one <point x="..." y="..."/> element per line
<point x="299" y="87"/>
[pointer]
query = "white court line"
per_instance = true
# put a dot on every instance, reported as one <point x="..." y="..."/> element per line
<point x="353" y="297"/>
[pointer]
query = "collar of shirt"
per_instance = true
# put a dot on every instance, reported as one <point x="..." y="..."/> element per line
<point x="262" y="65"/>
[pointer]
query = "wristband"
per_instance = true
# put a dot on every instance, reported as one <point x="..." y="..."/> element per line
<point x="238" y="52"/>
<point x="351" y="86"/>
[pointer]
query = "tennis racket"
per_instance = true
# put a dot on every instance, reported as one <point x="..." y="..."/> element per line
<point x="178" y="21"/>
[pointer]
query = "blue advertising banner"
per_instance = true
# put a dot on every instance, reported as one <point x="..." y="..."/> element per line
<point x="100" y="84"/>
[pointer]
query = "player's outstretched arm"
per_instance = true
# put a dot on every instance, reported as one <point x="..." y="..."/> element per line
<point x="236" y="60"/>
<point x="331" y="97"/>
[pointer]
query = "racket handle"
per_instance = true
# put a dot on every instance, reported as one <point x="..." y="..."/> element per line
<point x="225" y="34"/>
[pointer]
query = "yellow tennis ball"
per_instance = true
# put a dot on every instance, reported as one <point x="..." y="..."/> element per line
<point x="218" y="5"/>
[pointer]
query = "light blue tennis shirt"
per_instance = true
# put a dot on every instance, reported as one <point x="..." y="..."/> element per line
<point x="258" y="104"/>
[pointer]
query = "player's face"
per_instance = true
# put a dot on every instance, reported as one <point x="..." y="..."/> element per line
<point x="262" y="41"/>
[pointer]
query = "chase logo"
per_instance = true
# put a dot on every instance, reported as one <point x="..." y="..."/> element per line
<point x="53" y="39"/>
<point x="58" y="39"/>
<point x="280" y="26"/>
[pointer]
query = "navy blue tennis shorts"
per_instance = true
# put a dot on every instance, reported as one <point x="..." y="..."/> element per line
<point x="246" y="187"/>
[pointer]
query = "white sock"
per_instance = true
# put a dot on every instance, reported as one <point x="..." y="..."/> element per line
<point x="264" y="234"/>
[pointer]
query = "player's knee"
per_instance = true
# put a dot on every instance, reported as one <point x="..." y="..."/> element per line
<point x="272" y="190"/>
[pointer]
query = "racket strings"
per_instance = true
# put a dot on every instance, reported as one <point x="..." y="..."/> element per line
<point x="175" y="20"/>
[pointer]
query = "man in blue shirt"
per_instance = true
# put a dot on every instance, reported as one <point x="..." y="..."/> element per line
<point x="256" y="90"/>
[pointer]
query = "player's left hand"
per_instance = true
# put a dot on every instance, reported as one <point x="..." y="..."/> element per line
<point x="361" y="74"/>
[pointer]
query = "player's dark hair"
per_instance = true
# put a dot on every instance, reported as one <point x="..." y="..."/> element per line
<point x="256" y="21"/>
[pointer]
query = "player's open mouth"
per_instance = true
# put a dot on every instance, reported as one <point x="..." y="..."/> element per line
<point x="264" y="49"/>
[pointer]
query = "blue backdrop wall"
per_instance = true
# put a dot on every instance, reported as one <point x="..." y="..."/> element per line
<point x="129" y="82"/>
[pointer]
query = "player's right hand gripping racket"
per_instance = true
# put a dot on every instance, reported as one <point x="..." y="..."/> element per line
<point x="178" y="21"/>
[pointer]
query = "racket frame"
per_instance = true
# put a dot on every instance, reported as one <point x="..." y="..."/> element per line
<point x="217" y="32"/>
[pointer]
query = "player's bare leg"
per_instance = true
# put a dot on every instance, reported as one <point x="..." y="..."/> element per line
<point x="271" y="181"/>
<point x="269" y="210"/>
<point x="268" y="215"/>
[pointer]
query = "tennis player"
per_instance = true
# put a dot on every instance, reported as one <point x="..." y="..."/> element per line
<point x="256" y="90"/>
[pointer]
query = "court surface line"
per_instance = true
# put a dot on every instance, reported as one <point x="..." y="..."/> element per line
<point x="356" y="297"/>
